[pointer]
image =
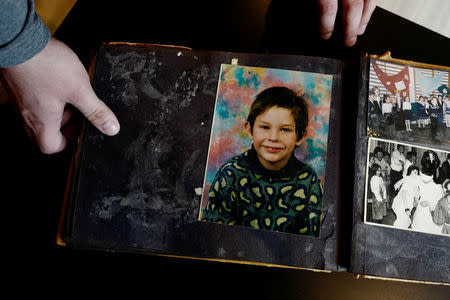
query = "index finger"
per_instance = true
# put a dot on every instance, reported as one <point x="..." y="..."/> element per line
<point x="327" y="10"/>
<point x="369" y="7"/>
<point x="351" y="19"/>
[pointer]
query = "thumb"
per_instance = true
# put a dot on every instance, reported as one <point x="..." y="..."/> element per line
<point x="97" y="112"/>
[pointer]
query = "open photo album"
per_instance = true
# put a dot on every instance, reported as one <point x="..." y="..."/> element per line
<point x="239" y="157"/>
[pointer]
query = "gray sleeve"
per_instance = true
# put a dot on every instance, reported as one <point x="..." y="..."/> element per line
<point x="22" y="32"/>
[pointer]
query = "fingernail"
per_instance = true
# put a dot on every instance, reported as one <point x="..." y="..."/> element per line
<point x="362" y="29"/>
<point x="110" y="128"/>
<point x="351" y="41"/>
<point x="325" y="36"/>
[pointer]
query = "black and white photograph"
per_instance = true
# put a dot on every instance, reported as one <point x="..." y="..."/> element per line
<point x="407" y="187"/>
<point x="408" y="103"/>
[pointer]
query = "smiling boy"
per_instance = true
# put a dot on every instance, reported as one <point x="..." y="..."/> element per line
<point x="267" y="187"/>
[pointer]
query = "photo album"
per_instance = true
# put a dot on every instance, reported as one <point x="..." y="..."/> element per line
<point x="237" y="157"/>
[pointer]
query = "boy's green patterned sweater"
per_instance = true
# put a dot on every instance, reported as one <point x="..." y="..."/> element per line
<point x="244" y="193"/>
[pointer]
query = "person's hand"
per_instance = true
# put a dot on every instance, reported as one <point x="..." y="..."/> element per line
<point x="355" y="16"/>
<point x="398" y="184"/>
<point x="42" y="89"/>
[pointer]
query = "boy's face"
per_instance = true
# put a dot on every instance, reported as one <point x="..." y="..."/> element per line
<point x="274" y="137"/>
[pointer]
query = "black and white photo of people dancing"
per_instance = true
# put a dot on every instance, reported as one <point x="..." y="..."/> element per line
<point x="408" y="187"/>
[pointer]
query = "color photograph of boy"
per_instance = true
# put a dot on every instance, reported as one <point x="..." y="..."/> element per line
<point x="266" y="186"/>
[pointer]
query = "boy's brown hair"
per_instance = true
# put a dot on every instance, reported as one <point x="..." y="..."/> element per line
<point x="285" y="98"/>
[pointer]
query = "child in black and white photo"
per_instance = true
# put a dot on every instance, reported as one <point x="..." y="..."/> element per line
<point x="410" y="195"/>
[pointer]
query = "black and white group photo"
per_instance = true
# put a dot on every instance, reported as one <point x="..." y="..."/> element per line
<point x="408" y="187"/>
<point x="409" y="104"/>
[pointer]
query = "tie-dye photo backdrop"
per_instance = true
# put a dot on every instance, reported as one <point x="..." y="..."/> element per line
<point x="238" y="86"/>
